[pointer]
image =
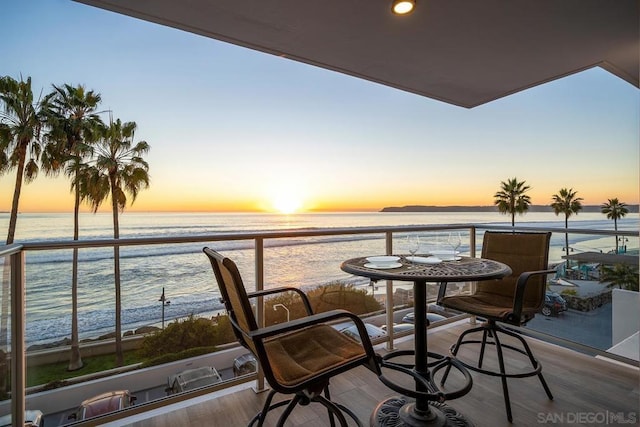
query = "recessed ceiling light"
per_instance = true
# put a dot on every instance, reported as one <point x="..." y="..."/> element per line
<point x="403" y="7"/>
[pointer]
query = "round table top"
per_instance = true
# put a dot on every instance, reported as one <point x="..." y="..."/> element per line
<point x="462" y="270"/>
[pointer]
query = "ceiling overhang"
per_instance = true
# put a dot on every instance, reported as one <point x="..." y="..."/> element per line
<point x="462" y="52"/>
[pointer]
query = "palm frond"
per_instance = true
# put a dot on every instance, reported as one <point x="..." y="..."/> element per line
<point x="31" y="171"/>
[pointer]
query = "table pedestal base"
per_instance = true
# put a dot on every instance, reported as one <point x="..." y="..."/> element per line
<point x="398" y="411"/>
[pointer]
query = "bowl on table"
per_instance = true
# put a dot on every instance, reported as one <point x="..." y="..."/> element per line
<point x="383" y="262"/>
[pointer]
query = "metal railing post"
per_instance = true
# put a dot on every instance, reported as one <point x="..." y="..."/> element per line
<point x="259" y="253"/>
<point x="389" y="293"/>
<point x="472" y="253"/>
<point x="472" y="241"/>
<point x="18" y="362"/>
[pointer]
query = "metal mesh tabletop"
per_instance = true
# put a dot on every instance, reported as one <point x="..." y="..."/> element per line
<point x="464" y="269"/>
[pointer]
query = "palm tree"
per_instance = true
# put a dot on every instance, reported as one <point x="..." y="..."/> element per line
<point x="511" y="198"/>
<point x="620" y="275"/>
<point x="566" y="202"/>
<point x="20" y="126"/>
<point x="118" y="170"/>
<point x="614" y="210"/>
<point x="71" y="115"/>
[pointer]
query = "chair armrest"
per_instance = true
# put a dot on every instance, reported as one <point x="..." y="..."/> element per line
<point x="442" y="291"/>
<point x="303" y="296"/>
<point x="304" y="322"/>
<point x="521" y="284"/>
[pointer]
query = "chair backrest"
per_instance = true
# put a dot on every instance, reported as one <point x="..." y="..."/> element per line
<point x="234" y="295"/>
<point x="522" y="252"/>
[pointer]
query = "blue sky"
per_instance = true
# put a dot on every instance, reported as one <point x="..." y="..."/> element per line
<point x="234" y="129"/>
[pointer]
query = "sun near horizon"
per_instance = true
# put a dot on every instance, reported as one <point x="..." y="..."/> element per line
<point x="285" y="196"/>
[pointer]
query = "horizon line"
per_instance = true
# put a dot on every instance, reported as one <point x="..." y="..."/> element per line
<point x="343" y="210"/>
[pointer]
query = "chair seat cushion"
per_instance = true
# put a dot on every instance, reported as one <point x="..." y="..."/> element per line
<point x="492" y="306"/>
<point x="301" y="355"/>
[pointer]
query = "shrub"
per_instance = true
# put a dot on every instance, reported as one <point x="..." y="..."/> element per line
<point x="179" y="336"/>
<point x="620" y="275"/>
<point x="341" y="295"/>
<point x="323" y="298"/>
<point x="223" y="330"/>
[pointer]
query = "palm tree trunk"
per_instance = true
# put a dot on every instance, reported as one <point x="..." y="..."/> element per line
<point x="6" y="272"/>
<point x="13" y="218"/>
<point x="513" y="217"/>
<point x="75" y="361"/>
<point x="566" y="240"/>
<point x="116" y="269"/>
<point x="513" y="210"/>
<point x="615" y="227"/>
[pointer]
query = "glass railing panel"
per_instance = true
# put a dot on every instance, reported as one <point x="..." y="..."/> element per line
<point x="181" y="273"/>
<point x="155" y="330"/>
<point x="314" y="261"/>
<point x="313" y="265"/>
<point x="578" y="305"/>
<point x="5" y="339"/>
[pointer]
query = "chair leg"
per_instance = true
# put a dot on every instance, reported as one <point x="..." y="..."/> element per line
<point x="491" y="330"/>
<point x="454" y="351"/>
<point x="482" y="347"/>
<point x="262" y="415"/>
<point x="334" y="410"/>
<point x="292" y="404"/>
<point x="505" y="389"/>
<point x="332" y="422"/>
<point x="545" y="386"/>
<point x="532" y="359"/>
<point x="345" y="410"/>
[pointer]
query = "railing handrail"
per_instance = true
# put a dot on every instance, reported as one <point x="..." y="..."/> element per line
<point x="8" y="250"/>
<point x="289" y="233"/>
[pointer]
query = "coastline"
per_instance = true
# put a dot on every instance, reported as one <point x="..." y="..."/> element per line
<point x="454" y="208"/>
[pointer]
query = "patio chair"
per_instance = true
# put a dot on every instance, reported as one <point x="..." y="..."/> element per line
<point x="298" y="357"/>
<point x="512" y="300"/>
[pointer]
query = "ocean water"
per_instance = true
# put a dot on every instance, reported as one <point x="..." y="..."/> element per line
<point x="185" y="274"/>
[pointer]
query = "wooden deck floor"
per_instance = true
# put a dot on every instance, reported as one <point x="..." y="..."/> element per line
<point x="587" y="392"/>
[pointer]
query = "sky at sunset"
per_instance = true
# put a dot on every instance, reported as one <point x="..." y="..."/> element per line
<point x="232" y="129"/>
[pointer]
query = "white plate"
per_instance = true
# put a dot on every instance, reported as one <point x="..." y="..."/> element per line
<point x="424" y="260"/>
<point x="384" y="259"/>
<point x="384" y="266"/>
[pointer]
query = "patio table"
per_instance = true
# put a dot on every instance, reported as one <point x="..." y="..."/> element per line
<point x="429" y="408"/>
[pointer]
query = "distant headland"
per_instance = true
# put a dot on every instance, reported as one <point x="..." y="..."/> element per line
<point x="532" y="208"/>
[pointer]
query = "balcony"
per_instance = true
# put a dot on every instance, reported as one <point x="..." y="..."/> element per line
<point x="586" y="388"/>
<point x="587" y="391"/>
